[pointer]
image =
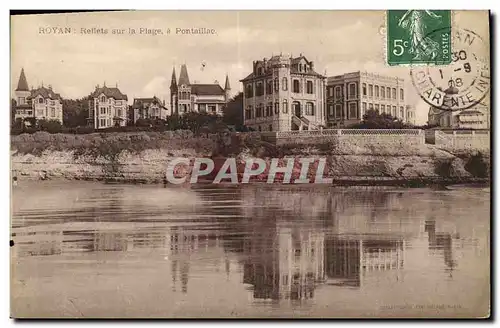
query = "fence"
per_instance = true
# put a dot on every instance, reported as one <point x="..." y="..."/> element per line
<point x="463" y="139"/>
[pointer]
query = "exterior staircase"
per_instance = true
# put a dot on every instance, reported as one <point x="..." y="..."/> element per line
<point x="303" y="123"/>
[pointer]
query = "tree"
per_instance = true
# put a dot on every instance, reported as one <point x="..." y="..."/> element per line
<point x="374" y="120"/>
<point x="50" y="126"/>
<point x="233" y="111"/>
<point x="13" y="105"/>
<point x="75" y="112"/>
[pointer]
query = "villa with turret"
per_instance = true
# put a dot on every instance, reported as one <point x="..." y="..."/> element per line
<point x="193" y="97"/>
<point x="41" y="103"/>
<point x="282" y="94"/>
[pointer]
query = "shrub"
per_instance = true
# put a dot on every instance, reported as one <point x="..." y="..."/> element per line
<point x="444" y="167"/>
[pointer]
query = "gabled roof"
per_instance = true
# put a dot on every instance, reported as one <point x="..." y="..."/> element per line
<point x="109" y="92"/>
<point x="46" y="93"/>
<point x="22" y="85"/>
<point x="249" y="76"/>
<point x="207" y="90"/>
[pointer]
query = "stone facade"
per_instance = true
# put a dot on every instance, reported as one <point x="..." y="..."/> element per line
<point x="350" y="95"/>
<point x="477" y="117"/>
<point x="283" y="94"/>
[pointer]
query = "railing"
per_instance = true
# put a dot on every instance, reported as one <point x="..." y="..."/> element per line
<point x="340" y="132"/>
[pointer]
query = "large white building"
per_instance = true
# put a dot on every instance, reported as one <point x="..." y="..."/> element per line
<point x="350" y="96"/>
<point x="107" y="107"/>
<point x="282" y="94"/>
<point x="476" y="117"/>
<point x="41" y="103"/>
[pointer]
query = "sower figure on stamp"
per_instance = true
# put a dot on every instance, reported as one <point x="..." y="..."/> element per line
<point x="420" y="44"/>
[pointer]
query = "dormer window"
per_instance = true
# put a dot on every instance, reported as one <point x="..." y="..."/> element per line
<point x="103" y="99"/>
<point x="40" y="100"/>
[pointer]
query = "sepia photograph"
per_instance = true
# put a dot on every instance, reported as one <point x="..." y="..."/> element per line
<point x="250" y="164"/>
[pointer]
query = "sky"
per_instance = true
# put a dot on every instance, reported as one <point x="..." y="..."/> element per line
<point x="141" y="64"/>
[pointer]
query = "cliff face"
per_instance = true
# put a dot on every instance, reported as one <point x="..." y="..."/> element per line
<point x="110" y="160"/>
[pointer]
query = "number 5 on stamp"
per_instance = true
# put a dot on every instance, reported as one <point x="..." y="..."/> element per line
<point x="418" y="37"/>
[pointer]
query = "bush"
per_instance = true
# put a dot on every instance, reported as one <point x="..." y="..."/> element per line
<point x="444" y="167"/>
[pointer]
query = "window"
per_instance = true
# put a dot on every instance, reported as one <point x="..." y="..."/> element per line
<point x="382" y="92"/>
<point x="370" y="90"/>
<point x="338" y="92"/>
<point x="394" y="111"/>
<point x="376" y="107"/>
<point x="202" y="108"/>
<point x="269" y="109"/>
<point x="22" y="100"/>
<point x="352" y="90"/>
<point x="249" y="91"/>
<point x="402" y="112"/>
<point x="259" y="89"/>
<point x="53" y="112"/>
<point x="30" y="112"/>
<point x="119" y="114"/>
<point x="248" y="113"/>
<point x="382" y="108"/>
<point x="259" y="110"/>
<point x="103" y="99"/>
<point x="338" y="111"/>
<point x="40" y="100"/>
<point x="309" y="87"/>
<point x="109" y="100"/>
<point x="296" y="86"/>
<point x="270" y="127"/>
<point x="260" y="71"/>
<point x="260" y="129"/>
<point x="309" y="108"/>
<point x="377" y="93"/>
<point x="103" y="122"/>
<point x="269" y="87"/>
<point x="285" y="106"/>
<point x="394" y="93"/>
<point x="276" y="85"/>
<point x="285" y="84"/>
<point x="330" y="110"/>
<point x="330" y="91"/>
<point x="364" y="108"/>
<point x="103" y="110"/>
<point x="276" y="107"/>
<point x="370" y="106"/>
<point x="364" y="89"/>
<point x="401" y="94"/>
<point x="353" y="110"/>
<point x="109" y="110"/>
<point x="212" y="108"/>
<point x="39" y="112"/>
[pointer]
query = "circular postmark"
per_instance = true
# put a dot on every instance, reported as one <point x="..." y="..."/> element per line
<point x="461" y="84"/>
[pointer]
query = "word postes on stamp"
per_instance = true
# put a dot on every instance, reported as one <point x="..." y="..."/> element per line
<point x="462" y="84"/>
<point x="409" y="41"/>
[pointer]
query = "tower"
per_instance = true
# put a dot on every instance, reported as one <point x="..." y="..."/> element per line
<point x="22" y="90"/>
<point x="227" y="90"/>
<point x="173" y="93"/>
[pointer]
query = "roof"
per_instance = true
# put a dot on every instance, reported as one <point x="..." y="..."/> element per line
<point x="207" y="90"/>
<point x="139" y="102"/>
<point x="109" y="92"/>
<point x="249" y="76"/>
<point x="22" y="85"/>
<point x="184" y="77"/>
<point x="173" y="81"/>
<point x="227" y="86"/>
<point x="45" y="93"/>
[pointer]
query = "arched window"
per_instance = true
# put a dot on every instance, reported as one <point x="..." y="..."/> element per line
<point x="338" y="92"/>
<point x="309" y="87"/>
<point x="364" y="89"/>
<point x="285" y="106"/>
<point x="276" y="107"/>
<point x="352" y="90"/>
<point x="103" y="99"/>
<point x="276" y="84"/>
<point x="40" y="100"/>
<point x="285" y="84"/>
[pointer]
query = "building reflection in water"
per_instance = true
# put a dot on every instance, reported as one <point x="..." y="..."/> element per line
<point x="351" y="258"/>
<point x="441" y="242"/>
<point x="283" y="262"/>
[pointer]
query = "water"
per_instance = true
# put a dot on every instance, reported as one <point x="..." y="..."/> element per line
<point x="96" y="250"/>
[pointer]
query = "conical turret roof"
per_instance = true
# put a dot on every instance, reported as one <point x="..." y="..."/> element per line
<point x="22" y="85"/>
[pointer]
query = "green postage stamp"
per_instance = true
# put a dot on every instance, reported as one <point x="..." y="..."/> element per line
<point x="418" y="37"/>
